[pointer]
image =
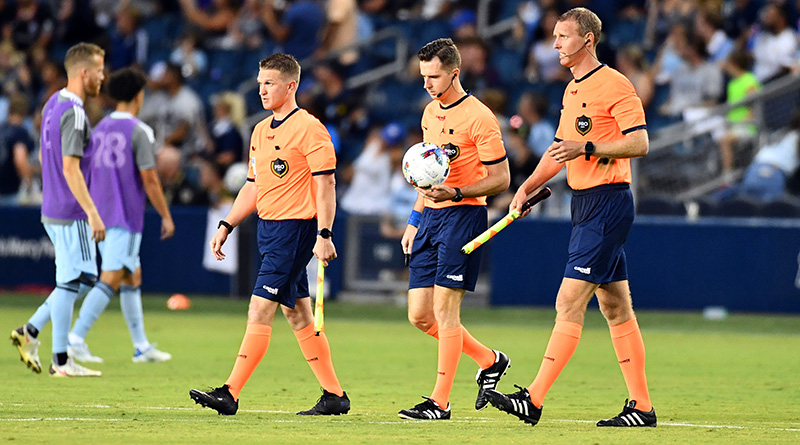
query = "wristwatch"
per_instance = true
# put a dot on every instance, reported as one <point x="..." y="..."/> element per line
<point x="325" y="233"/>
<point x="459" y="196"/>
<point x="226" y="224"/>
<point x="588" y="149"/>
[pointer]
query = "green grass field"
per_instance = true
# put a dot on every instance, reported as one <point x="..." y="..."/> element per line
<point x="730" y="381"/>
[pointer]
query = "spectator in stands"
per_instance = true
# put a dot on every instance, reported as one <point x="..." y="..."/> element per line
<point x="740" y="128"/>
<point x="16" y="145"/>
<point x="739" y="17"/>
<point x="33" y="25"/>
<point x="697" y="84"/>
<point x="248" y="30"/>
<point x="212" y="24"/>
<point x="211" y="180"/>
<point x="463" y="25"/>
<point x="228" y="119"/>
<point x="528" y="137"/>
<point x="128" y="40"/>
<point x="766" y="177"/>
<point x="402" y="195"/>
<point x="178" y="190"/>
<point x="372" y="172"/>
<point x="189" y="56"/>
<point x="341" y="30"/>
<point x="631" y="63"/>
<point x="50" y="78"/>
<point x="477" y="74"/>
<point x="543" y="63"/>
<point x="15" y="76"/>
<point x="708" y="25"/>
<point x="339" y="106"/>
<point x="669" y="59"/>
<point x="176" y="114"/>
<point x="297" y="33"/>
<point x="774" y="44"/>
<point x="76" y="22"/>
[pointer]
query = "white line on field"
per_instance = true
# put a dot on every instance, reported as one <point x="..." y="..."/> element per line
<point x="466" y="419"/>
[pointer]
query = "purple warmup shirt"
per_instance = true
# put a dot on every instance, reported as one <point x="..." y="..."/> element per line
<point x="122" y="146"/>
<point x="65" y="132"/>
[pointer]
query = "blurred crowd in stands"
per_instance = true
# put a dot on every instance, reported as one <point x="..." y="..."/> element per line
<point x="201" y="56"/>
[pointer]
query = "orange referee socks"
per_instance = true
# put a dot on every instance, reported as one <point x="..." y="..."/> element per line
<point x="318" y="355"/>
<point x="482" y="355"/>
<point x="450" y="341"/>
<point x="629" y="346"/>
<point x="563" y="342"/>
<point x="254" y="346"/>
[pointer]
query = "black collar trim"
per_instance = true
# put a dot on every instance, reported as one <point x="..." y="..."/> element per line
<point x="589" y="74"/>
<point x="275" y="122"/>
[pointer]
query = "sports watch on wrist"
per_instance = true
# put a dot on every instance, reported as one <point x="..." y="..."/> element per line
<point x="325" y="233"/>
<point x="459" y="196"/>
<point x="588" y="149"/>
<point x="226" y="224"/>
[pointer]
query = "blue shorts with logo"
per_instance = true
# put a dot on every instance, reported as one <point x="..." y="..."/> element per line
<point x="120" y="250"/>
<point x="601" y="220"/>
<point x="286" y="247"/>
<point x="76" y="251"/>
<point x="436" y="257"/>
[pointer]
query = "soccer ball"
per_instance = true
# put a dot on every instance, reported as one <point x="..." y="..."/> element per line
<point x="425" y="164"/>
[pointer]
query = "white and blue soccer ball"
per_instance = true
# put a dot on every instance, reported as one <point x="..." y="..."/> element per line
<point x="425" y="164"/>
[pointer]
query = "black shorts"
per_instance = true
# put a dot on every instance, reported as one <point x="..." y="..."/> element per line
<point x="601" y="220"/>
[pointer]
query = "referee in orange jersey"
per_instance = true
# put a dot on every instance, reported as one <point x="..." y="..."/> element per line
<point x="291" y="185"/>
<point x="447" y="216"/>
<point x="602" y="127"/>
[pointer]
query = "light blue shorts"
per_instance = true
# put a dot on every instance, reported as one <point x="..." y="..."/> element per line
<point x="120" y="250"/>
<point x="76" y="252"/>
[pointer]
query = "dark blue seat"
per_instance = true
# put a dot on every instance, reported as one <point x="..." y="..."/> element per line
<point x="660" y="205"/>
<point x="738" y="207"/>
<point x="780" y="208"/>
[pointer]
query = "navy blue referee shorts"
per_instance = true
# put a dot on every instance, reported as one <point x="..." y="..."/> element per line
<point x="601" y="220"/>
<point x="436" y="257"/>
<point x="286" y="247"/>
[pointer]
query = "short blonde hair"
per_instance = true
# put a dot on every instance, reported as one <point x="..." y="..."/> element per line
<point x="81" y="53"/>
<point x="588" y="22"/>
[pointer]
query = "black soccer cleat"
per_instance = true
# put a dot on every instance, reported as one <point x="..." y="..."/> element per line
<point x="631" y="417"/>
<point x="518" y="404"/>
<point x="219" y="399"/>
<point x="489" y="378"/>
<point x="329" y="405"/>
<point x="427" y="410"/>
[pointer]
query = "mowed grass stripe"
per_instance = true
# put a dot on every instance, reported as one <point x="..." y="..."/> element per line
<point x="729" y="381"/>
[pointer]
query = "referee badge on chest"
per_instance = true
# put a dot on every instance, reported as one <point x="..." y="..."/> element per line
<point x="279" y="167"/>
<point x="583" y="125"/>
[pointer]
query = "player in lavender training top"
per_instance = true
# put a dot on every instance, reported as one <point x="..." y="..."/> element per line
<point x="69" y="214"/>
<point x="123" y="172"/>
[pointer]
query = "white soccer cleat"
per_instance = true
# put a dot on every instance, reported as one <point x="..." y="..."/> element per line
<point x="151" y="354"/>
<point x="81" y="353"/>
<point x="28" y="348"/>
<point x="72" y="369"/>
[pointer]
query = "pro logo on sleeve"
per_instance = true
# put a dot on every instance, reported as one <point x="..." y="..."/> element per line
<point x="583" y="125"/>
<point x="279" y="167"/>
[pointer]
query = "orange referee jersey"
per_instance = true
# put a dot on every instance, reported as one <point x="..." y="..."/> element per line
<point x="284" y="155"/>
<point x="468" y="131"/>
<point x="602" y="106"/>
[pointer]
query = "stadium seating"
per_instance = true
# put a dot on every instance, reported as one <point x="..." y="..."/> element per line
<point x="660" y="205"/>
<point x="780" y="208"/>
<point x="739" y="207"/>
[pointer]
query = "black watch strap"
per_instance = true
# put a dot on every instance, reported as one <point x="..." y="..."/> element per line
<point x="226" y="224"/>
<point x="459" y="196"/>
<point x="325" y="233"/>
<point x="588" y="149"/>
